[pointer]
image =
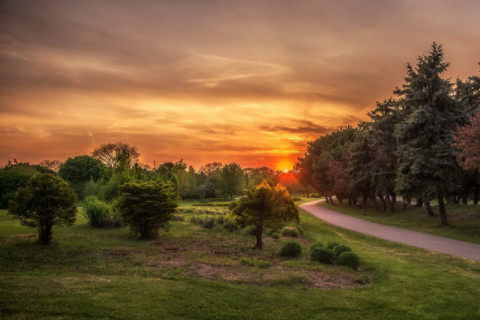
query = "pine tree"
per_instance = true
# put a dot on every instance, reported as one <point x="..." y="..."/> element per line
<point x="426" y="158"/>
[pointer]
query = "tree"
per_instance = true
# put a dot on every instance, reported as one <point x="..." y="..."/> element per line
<point x="147" y="206"/>
<point x="467" y="141"/>
<point x="119" y="156"/>
<point x="264" y="206"/>
<point x="15" y="175"/>
<point x="426" y="158"/>
<point x="47" y="200"/>
<point x="53" y="165"/>
<point x="233" y="178"/>
<point x="81" y="169"/>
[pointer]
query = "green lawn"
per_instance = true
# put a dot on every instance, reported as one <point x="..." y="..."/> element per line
<point x="108" y="274"/>
<point x="464" y="219"/>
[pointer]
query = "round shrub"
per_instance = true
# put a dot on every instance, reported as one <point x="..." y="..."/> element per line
<point x="349" y="258"/>
<point x="316" y="245"/>
<point x="290" y="249"/>
<point x="338" y="250"/>
<point x="275" y="235"/>
<point x="322" y="255"/>
<point x="332" y="244"/>
<point x="290" y="232"/>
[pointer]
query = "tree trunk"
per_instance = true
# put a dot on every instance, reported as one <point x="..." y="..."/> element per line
<point x="384" y="201"/>
<point x="331" y="201"/>
<point x="364" y="204"/>
<point x="476" y="190"/>
<point x="258" y="234"/>
<point x="420" y="202"/>
<point x="442" y="211"/>
<point x="45" y="236"/>
<point x="428" y="209"/>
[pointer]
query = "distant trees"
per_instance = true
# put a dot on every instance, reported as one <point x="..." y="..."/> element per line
<point x="79" y="170"/>
<point x="15" y="175"/>
<point x="233" y="179"/>
<point x="263" y="206"/>
<point x="45" y="201"/>
<point x="119" y="156"/>
<point x="147" y="206"/>
<point x="407" y="148"/>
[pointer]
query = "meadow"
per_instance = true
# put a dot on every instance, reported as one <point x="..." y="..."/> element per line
<point x="192" y="272"/>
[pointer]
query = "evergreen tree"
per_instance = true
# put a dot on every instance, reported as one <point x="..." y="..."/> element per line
<point x="426" y="158"/>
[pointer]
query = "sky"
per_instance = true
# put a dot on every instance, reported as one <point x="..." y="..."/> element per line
<point x="231" y="81"/>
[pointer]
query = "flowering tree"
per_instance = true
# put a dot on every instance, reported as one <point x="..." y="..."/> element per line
<point x="467" y="142"/>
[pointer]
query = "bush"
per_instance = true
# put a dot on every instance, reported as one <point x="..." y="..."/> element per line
<point x="147" y="206"/>
<point x="208" y="222"/>
<point x="101" y="214"/>
<point x="275" y="235"/>
<point x="338" y="250"/>
<point x="332" y="244"/>
<point x="316" y="245"/>
<point x="290" y="249"/>
<point x="322" y="255"/>
<point x="290" y="232"/>
<point x="230" y="225"/>
<point x="349" y="259"/>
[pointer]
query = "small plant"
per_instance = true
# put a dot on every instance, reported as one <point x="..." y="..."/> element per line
<point x="96" y="211"/>
<point x="252" y="262"/>
<point x="290" y="249"/>
<point x="338" y="250"/>
<point x="275" y="235"/>
<point x="290" y="232"/>
<point x="208" y="222"/>
<point x="322" y="255"/>
<point x="349" y="259"/>
<point x="332" y="244"/>
<point x="230" y="225"/>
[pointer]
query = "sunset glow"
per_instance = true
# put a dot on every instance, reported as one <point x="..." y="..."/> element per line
<point x="242" y="81"/>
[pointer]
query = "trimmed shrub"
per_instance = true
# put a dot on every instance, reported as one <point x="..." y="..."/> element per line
<point x="322" y="255"/>
<point x="316" y="245"/>
<point x="332" y="244"/>
<point x="291" y="249"/>
<point x="208" y="222"/>
<point x="338" y="250"/>
<point x="349" y="259"/>
<point x="290" y="232"/>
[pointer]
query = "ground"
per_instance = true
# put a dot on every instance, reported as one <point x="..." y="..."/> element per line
<point x="194" y="273"/>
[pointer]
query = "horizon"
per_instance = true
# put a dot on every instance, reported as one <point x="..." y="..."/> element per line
<point x="242" y="82"/>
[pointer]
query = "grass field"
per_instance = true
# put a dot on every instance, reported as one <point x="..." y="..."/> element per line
<point x="464" y="219"/>
<point x="194" y="273"/>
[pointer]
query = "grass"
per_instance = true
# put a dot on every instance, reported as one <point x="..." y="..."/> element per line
<point x="464" y="220"/>
<point x="109" y="274"/>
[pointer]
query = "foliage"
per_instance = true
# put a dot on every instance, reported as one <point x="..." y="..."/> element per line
<point x="291" y="249"/>
<point x="119" y="156"/>
<point x="467" y="141"/>
<point x="322" y="255"/>
<point x="45" y="201"/>
<point x="79" y="170"/>
<point x="233" y="179"/>
<point x="147" y="206"/>
<point x="316" y="245"/>
<point x="348" y="258"/>
<point x="290" y="232"/>
<point x="332" y="244"/>
<point x="426" y="159"/>
<point x="338" y="250"/>
<point x="15" y="175"/>
<point x="100" y="214"/>
<point x="264" y="206"/>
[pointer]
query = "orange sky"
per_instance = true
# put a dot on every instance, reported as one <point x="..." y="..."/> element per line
<point x="244" y="81"/>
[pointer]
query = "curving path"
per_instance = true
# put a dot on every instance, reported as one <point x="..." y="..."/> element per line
<point x="453" y="247"/>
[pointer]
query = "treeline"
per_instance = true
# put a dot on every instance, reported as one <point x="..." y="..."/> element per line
<point x="422" y="143"/>
<point x="111" y="165"/>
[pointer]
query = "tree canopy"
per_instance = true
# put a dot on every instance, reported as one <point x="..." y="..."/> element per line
<point x="263" y="206"/>
<point x="45" y="201"/>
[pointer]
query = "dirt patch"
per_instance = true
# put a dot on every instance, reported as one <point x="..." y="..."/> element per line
<point x="466" y="216"/>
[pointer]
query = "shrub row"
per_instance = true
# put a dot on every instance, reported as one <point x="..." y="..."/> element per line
<point x="334" y="252"/>
<point x="208" y="222"/>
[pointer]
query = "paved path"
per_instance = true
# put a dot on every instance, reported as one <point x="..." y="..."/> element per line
<point x="453" y="247"/>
